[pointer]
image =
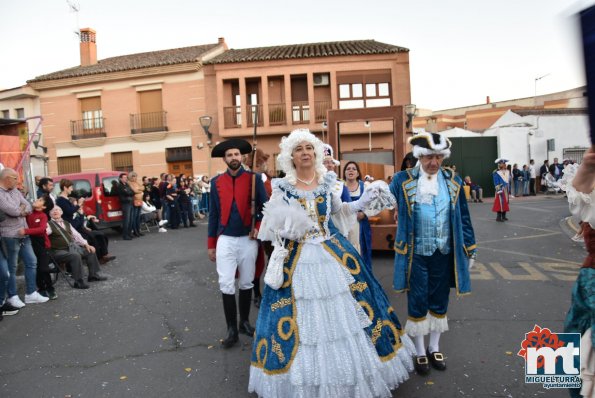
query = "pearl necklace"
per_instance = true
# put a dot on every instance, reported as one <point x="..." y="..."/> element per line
<point x="306" y="182"/>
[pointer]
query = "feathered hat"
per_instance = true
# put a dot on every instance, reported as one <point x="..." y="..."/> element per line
<point x="430" y="144"/>
<point x="328" y="153"/>
<point x="501" y="160"/>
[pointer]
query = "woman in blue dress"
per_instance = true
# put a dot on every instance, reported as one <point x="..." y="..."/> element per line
<point x="579" y="185"/>
<point x="355" y="185"/>
<point x="328" y="329"/>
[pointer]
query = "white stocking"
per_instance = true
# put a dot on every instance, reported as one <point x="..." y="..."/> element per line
<point x="434" y="345"/>
<point x="419" y="345"/>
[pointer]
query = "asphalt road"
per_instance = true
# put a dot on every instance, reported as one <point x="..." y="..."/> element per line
<point x="153" y="329"/>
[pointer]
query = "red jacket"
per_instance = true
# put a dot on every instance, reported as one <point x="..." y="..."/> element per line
<point x="37" y="222"/>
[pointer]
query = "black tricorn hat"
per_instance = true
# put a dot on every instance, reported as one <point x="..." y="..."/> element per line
<point x="234" y="143"/>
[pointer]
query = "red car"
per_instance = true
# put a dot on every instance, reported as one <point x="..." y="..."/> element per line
<point x="101" y="198"/>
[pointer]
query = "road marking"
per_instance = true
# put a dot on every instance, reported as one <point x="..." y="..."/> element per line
<point x="532" y="273"/>
<point x="561" y="271"/>
<point x="480" y="272"/>
<point x="515" y="225"/>
<point x="533" y="209"/>
<point x="519" y="238"/>
<point x="557" y="260"/>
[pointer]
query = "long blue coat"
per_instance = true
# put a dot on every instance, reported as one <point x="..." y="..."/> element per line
<point x="404" y="187"/>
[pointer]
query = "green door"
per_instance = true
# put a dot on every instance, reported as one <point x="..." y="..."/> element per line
<point x="474" y="157"/>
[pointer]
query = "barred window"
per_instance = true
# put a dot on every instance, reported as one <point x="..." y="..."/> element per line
<point x="69" y="164"/>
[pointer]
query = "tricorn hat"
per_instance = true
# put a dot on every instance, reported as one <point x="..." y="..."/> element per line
<point x="430" y="144"/>
<point x="234" y="143"/>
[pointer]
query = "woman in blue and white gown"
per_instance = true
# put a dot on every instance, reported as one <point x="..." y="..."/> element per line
<point x="329" y="330"/>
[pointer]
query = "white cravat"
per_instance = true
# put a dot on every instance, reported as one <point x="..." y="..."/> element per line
<point x="427" y="187"/>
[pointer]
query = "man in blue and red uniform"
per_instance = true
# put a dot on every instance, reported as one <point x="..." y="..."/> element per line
<point x="232" y="237"/>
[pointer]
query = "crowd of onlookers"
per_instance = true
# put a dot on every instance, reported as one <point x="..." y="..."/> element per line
<point x="52" y="234"/>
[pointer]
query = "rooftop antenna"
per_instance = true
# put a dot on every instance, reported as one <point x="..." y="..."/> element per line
<point x="75" y="8"/>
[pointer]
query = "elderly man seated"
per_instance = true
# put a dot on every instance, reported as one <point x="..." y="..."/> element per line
<point x="61" y="235"/>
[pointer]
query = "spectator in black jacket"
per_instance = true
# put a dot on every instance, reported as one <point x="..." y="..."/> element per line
<point x="125" y="193"/>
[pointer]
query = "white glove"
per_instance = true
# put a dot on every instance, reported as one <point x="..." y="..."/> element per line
<point x="471" y="263"/>
<point x="368" y="196"/>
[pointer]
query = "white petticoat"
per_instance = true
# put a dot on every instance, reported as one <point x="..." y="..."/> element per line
<point x="335" y="356"/>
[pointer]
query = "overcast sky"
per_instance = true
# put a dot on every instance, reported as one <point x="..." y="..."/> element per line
<point x="460" y="50"/>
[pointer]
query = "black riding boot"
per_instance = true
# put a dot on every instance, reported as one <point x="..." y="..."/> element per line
<point x="245" y="300"/>
<point x="257" y="294"/>
<point x="504" y="216"/>
<point x="231" y="316"/>
<point x="499" y="216"/>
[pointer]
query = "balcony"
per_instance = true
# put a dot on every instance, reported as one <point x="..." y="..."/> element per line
<point x="148" y="122"/>
<point x="277" y="114"/>
<point x="250" y="114"/>
<point x="320" y="108"/>
<point x="87" y="128"/>
<point x="300" y="112"/>
<point x="232" y="117"/>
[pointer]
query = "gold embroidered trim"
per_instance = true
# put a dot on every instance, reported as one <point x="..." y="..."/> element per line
<point x="277" y="349"/>
<point x="377" y="331"/>
<point x="262" y="360"/>
<point x="440" y="316"/>
<point x="359" y="287"/>
<point x="368" y="309"/>
<point x="413" y="319"/>
<point x="284" y="302"/>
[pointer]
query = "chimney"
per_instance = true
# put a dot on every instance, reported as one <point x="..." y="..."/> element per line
<point x="221" y="40"/>
<point x="487" y="99"/>
<point x="88" y="47"/>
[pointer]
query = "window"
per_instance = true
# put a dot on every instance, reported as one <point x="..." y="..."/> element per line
<point x="122" y="161"/>
<point x="81" y="189"/>
<point x="92" y="113"/>
<point x="69" y="164"/>
<point x="5" y="114"/>
<point x="364" y="95"/>
<point x="20" y="113"/>
<point x="110" y="185"/>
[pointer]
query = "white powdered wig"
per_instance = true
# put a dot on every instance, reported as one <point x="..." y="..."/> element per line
<point x="285" y="158"/>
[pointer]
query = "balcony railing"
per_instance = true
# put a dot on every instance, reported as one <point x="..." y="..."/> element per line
<point x="232" y="117"/>
<point x="277" y="114"/>
<point x="320" y="108"/>
<point x="250" y="114"/>
<point x="87" y="128"/>
<point x="148" y="122"/>
<point x="300" y="112"/>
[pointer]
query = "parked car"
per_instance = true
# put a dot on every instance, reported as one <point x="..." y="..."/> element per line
<point x="101" y="198"/>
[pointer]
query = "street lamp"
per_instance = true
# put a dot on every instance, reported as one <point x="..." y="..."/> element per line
<point x="369" y="126"/>
<point x="324" y="127"/>
<point x="205" y="122"/>
<point x="37" y="145"/>
<point x="536" y="80"/>
<point x="410" y="113"/>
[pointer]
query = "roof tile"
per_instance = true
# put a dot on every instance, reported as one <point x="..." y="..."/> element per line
<point x="308" y="50"/>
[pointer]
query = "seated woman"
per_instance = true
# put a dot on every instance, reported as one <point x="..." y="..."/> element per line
<point x="476" y="191"/>
<point x="328" y="330"/>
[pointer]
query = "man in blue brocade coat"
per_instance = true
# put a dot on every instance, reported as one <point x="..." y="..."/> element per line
<point x="434" y="244"/>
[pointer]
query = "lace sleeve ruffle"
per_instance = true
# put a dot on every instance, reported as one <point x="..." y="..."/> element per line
<point x="581" y="204"/>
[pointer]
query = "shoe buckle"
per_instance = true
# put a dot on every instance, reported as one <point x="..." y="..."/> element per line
<point x="422" y="360"/>
<point x="438" y="356"/>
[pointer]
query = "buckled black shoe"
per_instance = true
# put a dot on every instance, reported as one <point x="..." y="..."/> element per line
<point x="246" y="328"/>
<point x="80" y="284"/>
<point x="421" y="364"/>
<point x="231" y="338"/>
<point x="437" y="360"/>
